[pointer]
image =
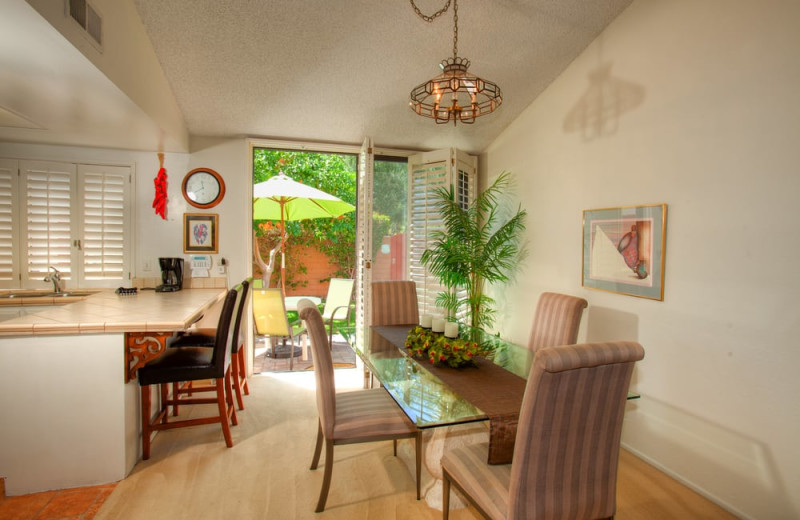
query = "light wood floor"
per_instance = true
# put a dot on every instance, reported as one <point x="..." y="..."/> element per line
<point x="191" y="474"/>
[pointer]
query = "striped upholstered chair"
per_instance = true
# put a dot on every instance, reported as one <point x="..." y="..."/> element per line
<point x="567" y="444"/>
<point x="556" y="322"/>
<point x="350" y="417"/>
<point x="394" y="303"/>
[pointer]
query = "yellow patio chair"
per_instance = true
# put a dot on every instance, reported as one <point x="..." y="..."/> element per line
<point x="270" y="319"/>
<point x="337" y="304"/>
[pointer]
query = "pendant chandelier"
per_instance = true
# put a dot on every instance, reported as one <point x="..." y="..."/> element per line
<point x="455" y="94"/>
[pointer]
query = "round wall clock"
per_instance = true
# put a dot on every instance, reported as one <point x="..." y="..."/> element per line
<point x="203" y="188"/>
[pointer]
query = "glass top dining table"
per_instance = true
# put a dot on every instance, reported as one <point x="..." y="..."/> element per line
<point x="425" y="398"/>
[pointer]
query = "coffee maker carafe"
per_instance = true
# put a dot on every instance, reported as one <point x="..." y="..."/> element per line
<point x="171" y="274"/>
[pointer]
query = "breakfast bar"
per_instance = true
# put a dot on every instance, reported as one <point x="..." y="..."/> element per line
<point x="67" y="383"/>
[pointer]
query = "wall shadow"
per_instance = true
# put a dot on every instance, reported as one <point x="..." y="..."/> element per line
<point x="597" y="112"/>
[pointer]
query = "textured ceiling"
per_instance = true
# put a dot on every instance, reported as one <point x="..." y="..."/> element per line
<point x="340" y="71"/>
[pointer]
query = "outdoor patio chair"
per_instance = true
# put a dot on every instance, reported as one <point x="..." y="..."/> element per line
<point x="337" y="303"/>
<point x="270" y="319"/>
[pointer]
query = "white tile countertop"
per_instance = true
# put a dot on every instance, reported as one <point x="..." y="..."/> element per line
<point x="105" y="311"/>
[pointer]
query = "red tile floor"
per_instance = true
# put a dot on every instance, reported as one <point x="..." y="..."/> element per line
<point x="65" y="504"/>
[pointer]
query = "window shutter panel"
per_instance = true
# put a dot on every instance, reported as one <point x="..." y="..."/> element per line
<point x="9" y="236"/>
<point x="428" y="172"/>
<point x="47" y="224"/>
<point x="103" y="191"/>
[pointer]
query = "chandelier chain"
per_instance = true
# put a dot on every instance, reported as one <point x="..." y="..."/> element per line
<point x="435" y="15"/>
<point x="455" y="28"/>
<point x="439" y="13"/>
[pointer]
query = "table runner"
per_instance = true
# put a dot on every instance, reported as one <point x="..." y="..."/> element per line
<point x="489" y="387"/>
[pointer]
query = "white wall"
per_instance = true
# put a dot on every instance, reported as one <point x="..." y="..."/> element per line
<point x="702" y="113"/>
<point x="155" y="237"/>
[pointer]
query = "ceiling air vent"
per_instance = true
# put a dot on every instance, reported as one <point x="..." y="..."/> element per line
<point x="88" y="18"/>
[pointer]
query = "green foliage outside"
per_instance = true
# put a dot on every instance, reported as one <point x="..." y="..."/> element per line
<point x="334" y="174"/>
<point x="335" y="237"/>
<point x="477" y="245"/>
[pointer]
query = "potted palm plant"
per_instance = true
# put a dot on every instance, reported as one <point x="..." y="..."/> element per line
<point x="473" y="248"/>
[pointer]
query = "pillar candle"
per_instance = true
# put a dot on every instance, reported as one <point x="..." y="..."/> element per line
<point x="438" y="325"/>
<point x="451" y="329"/>
<point x="425" y="321"/>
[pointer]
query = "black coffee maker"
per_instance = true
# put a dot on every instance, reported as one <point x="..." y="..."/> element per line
<point x="171" y="274"/>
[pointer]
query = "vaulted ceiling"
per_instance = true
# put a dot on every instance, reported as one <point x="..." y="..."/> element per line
<point x="340" y="71"/>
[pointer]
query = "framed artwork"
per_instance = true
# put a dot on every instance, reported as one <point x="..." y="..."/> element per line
<point x="200" y="233"/>
<point x="623" y="250"/>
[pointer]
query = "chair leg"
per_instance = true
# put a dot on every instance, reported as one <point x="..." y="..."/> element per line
<point x="223" y="414"/>
<point x="230" y="411"/>
<point x="236" y="383"/>
<point x="243" y="370"/>
<point x="394" y="443"/>
<point x="418" y="447"/>
<point x="445" y="496"/>
<point x="146" y="405"/>
<point x="175" y="395"/>
<point x="317" y="449"/>
<point x="326" y="480"/>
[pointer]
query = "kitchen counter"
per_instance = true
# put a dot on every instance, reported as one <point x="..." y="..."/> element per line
<point x="105" y="312"/>
<point x="68" y="386"/>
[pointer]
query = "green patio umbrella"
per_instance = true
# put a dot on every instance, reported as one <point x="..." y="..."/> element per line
<point x="282" y="198"/>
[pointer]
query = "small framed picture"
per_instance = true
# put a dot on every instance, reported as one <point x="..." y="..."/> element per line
<point x="623" y="250"/>
<point x="200" y="233"/>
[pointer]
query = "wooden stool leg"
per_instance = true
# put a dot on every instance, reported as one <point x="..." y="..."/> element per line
<point x="236" y="383"/>
<point x="145" y="422"/>
<point x="243" y="370"/>
<point x="223" y="412"/>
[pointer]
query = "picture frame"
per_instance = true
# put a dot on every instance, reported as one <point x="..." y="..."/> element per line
<point x="623" y="250"/>
<point x="200" y="233"/>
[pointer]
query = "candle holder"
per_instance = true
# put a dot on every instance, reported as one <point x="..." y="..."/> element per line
<point x="451" y="329"/>
<point x="438" y="325"/>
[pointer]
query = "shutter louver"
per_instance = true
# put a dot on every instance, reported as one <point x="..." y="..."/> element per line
<point x="103" y="191"/>
<point x="429" y="172"/>
<point x="48" y="220"/>
<point x="8" y="215"/>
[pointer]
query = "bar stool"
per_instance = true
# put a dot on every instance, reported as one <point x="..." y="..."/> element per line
<point x="192" y="364"/>
<point x="205" y="338"/>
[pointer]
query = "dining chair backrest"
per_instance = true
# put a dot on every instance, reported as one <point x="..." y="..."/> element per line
<point x="223" y="339"/>
<point x="269" y="313"/>
<point x="394" y="303"/>
<point x="556" y="321"/>
<point x="239" y="332"/>
<point x="337" y="301"/>
<point x="572" y="409"/>
<point x="323" y="365"/>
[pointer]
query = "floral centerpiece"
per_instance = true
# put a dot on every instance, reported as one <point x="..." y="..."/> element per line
<point x="438" y="348"/>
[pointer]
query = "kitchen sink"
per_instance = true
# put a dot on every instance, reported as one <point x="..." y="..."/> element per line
<point x="39" y="294"/>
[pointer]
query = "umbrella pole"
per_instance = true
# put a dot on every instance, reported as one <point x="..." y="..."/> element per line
<point x="283" y="253"/>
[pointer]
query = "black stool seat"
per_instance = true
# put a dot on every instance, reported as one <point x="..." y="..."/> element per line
<point x="183" y="364"/>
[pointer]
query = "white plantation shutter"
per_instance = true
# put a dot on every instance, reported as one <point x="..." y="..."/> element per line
<point x="364" y="238"/>
<point x="9" y="239"/>
<point x="103" y="200"/>
<point x="428" y="172"/>
<point x="47" y="225"/>
<point x="73" y="217"/>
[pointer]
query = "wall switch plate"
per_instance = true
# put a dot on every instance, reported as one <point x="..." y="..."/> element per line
<point x="221" y="270"/>
<point x="147" y="266"/>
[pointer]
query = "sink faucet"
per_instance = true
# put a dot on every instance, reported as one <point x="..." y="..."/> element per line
<point x="54" y="277"/>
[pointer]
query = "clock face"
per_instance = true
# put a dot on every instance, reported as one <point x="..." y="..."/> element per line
<point x="203" y="188"/>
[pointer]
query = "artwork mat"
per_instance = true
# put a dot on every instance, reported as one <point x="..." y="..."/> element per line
<point x="606" y="268"/>
<point x="191" y="223"/>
